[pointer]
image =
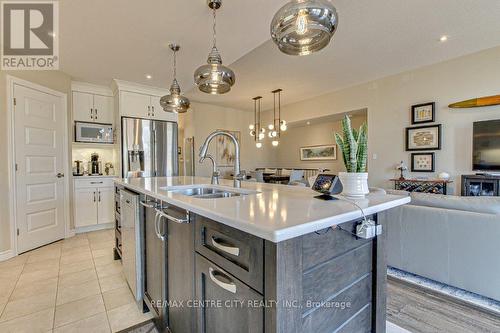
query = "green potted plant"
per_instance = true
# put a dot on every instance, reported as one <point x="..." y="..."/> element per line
<point x="354" y="147"/>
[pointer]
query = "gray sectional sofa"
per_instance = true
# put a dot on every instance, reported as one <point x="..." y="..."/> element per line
<point x="449" y="239"/>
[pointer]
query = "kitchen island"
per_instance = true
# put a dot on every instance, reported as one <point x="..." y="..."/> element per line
<point x="262" y="258"/>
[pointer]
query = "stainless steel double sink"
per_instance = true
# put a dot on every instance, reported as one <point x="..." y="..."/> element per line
<point x="208" y="191"/>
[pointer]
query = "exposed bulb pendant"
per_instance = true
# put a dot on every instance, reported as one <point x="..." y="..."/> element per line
<point x="214" y="78"/>
<point x="279" y="125"/>
<point x="302" y="27"/>
<point x="175" y="102"/>
<point x="256" y="130"/>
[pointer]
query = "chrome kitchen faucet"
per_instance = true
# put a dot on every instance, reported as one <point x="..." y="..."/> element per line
<point x="215" y="174"/>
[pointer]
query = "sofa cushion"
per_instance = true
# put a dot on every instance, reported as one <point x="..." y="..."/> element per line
<point x="485" y="205"/>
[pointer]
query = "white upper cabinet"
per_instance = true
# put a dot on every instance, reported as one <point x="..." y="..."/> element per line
<point x="158" y="113"/>
<point x="135" y="105"/>
<point x="103" y="109"/>
<point x="92" y="103"/>
<point x="140" y="101"/>
<point x="83" y="105"/>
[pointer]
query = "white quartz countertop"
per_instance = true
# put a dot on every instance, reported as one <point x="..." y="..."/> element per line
<point x="275" y="213"/>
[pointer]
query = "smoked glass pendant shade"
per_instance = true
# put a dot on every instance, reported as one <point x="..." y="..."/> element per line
<point x="214" y="78"/>
<point x="175" y="102"/>
<point x="302" y="27"/>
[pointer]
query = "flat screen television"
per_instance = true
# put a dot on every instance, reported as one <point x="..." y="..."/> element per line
<point x="486" y="146"/>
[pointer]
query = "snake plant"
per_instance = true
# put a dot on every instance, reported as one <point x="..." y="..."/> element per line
<point x="354" y="145"/>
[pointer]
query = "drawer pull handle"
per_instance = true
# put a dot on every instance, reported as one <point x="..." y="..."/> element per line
<point x="231" y="287"/>
<point x="235" y="251"/>
<point x="157" y="227"/>
<point x="96" y="182"/>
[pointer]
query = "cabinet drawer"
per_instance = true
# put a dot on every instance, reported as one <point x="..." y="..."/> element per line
<point x="239" y="307"/>
<point x="96" y="182"/>
<point x="237" y="252"/>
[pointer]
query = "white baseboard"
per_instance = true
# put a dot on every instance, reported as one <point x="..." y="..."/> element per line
<point x="94" y="228"/>
<point x="70" y="233"/>
<point x="5" y="255"/>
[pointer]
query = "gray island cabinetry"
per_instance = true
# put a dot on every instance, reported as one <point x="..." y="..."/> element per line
<point x="202" y="274"/>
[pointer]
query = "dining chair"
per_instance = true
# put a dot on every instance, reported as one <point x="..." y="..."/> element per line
<point x="259" y="176"/>
<point x="296" y="175"/>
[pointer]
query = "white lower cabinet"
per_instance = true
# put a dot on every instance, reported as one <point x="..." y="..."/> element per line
<point x="93" y="202"/>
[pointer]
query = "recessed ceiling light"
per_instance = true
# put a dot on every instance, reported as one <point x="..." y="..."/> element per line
<point x="308" y="123"/>
<point x="443" y="38"/>
<point x="149" y="77"/>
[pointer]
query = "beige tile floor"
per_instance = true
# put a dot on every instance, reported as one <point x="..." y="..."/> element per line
<point x="70" y="286"/>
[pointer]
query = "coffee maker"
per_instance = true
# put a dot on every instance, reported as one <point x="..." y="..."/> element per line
<point x="95" y="166"/>
<point x="78" y="168"/>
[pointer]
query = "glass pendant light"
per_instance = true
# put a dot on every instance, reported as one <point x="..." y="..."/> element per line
<point x="214" y="78"/>
<point x="302" y="27"/>
<point x="175" y="102"/>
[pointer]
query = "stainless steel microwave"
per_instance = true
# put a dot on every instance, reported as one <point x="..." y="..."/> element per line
<point x="93" y="132"/>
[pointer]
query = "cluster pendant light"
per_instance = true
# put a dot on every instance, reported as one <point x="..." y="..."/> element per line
<point x="214" y="78"/>
<point x="302" y="27"/>
<point x="275" y="128"/>
<point x="279" y="125"/>
<point x="175" y="102"/>
<point x="256" y="130"/>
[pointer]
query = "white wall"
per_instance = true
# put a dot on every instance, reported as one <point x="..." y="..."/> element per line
<point x="388" y="101"/>
<point x="202" y="119"/>
<point x="288" y="151"/>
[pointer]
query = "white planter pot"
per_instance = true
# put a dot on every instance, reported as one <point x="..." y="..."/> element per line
<point x="355" y="184"/>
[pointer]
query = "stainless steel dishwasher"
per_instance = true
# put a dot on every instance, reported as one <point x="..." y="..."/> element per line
<point x="131" y="243"/>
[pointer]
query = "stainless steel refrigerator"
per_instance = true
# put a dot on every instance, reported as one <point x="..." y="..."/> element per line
<point x="149" y="148"/>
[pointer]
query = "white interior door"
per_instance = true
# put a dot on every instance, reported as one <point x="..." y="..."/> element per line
<point x="39" y="134"/>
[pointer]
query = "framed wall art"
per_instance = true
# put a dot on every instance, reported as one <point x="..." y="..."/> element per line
<point x="423" y="162"/>
<point x="423" y="113"/>
<point x="225" y="149"/>
<point x="423" y="138"/>
<point x="318" y="153"/>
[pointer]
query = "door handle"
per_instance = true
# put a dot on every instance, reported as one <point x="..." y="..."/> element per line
<point x="149" y="110"/>
<point x="231" y="287"/>
<point x="153" y="110"/>
<point x="91" y="113"/>
<point x="99" y="196"/>
<point x="147" y="204"/>
<point x="60" y="175"/>
<point x="235" y="251"/>
<point x="173" y="219"/>
<point x="94" y="196"/>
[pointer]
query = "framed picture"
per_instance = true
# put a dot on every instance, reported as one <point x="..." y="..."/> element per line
<point x="318" y="153"/>
<point x="225" y="150"/>
<point x="423" y="138"/>
<point x="422" y="162"/>
<point x="423" y="113"/>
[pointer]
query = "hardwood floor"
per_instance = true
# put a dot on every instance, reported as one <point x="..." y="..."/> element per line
<point x="420" y="311"/>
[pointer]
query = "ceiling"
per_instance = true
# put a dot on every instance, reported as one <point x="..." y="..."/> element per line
<point x="101" y="40"/>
